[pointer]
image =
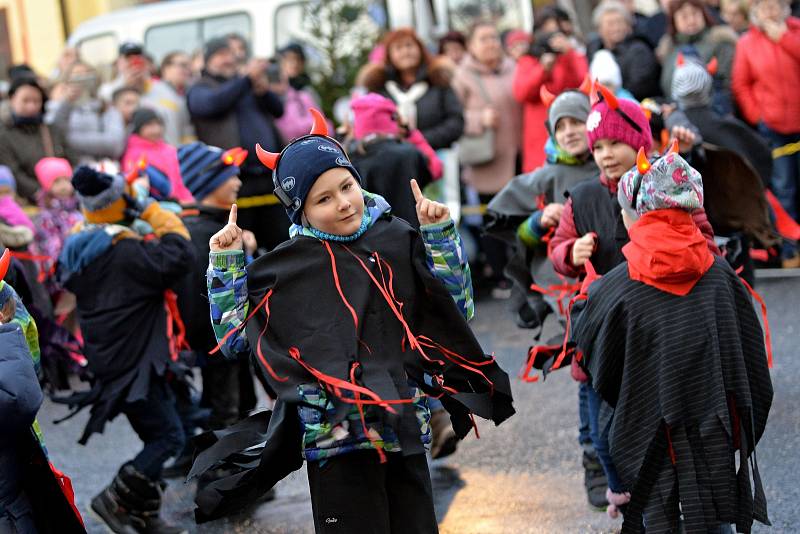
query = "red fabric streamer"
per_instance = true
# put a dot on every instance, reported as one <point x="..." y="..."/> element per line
<point x="176" y="330"/>
<point x="784" y="223"/>
<point x="767" y="332"/>
<point x="65" y="484"/>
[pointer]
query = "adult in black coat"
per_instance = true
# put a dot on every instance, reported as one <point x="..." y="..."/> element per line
<point x="419" y="85"/>
<point x="120" y="282"/>
<point x="637" y="61"/>
<point x="229" y="110"/>
<point x="385" y="165"/>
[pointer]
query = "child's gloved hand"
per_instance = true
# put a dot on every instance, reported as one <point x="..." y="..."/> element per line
<point x="428" y="211"/>
<point x="230" y="237"/>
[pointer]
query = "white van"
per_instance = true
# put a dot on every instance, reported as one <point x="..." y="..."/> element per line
<point x="185" y="25"/>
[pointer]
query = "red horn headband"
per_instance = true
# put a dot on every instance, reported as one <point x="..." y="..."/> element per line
<point x="642" y="164"/>
<point x="137" y="170"/>
<point x="5" y="261"/>
<point x="318" y="127"/>
<point x="234" y="156"/>
<point x="608" y="96"/>
<point x="586" y="86"/>
<point x="546" y="96"/>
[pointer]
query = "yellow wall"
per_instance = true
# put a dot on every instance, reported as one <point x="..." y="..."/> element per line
<point x="36" y="27"/>
<point x="81" y="10"/>
<point x="36" y="32"/>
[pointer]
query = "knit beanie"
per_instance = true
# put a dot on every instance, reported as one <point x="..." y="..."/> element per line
<point x="669" y="182"/>
<point x="204" y="168"/>
<point x="48" y="170"/>
<point x="7" y="178"/>
<point x="297" y="167"/>
<point x="568" y="104"/>
<point x="300" y="165"/>
<point x="215" y="45"/>
<point x="605" y="69"/>
<point x="142" y="116"/>
<point x="100" y="194"/>
<point x="373" y="114"/>
<point x="607" y="122"/>
<point x="691" y="85"/>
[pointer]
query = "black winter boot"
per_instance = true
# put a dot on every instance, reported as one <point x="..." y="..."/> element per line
<point x="131" y="504"/>
<point x="594" y="479"/>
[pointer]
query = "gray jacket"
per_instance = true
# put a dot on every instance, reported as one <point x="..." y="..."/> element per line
<point x="91" y="132"/>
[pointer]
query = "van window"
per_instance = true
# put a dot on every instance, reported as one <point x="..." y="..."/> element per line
<point x="506" y="14"/>
<point x="99" y="50"/>
<point x="190" y="35"/>
<point x="165" y="38"/>
<point x="292" y="24"/>
<point x="233" y="23"/>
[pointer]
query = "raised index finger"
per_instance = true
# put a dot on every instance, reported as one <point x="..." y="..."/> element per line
<point x="232" y="216"/>
<point x="418" y="197"/>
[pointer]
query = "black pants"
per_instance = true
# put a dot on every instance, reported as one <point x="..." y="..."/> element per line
<point x="355" y="493"/>
<point x="221" y="392"/>
<point x="156" y="421"/>
<point x="497" y="252"/>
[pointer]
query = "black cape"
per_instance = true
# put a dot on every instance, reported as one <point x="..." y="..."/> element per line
<point x="308" y="317"/>
<point x="120" y="305"/>
<point x="506" y="211"/>
<point x="693" y="368"/>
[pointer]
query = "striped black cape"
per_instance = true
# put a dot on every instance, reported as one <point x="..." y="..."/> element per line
<point x="688" y="381"/>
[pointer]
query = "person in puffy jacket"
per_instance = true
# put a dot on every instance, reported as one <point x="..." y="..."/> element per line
<point x="766" y="74"/>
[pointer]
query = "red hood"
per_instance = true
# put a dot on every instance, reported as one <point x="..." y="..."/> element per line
<point x="667" y="251"/>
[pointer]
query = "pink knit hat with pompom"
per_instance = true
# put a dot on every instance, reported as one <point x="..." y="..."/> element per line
<point x="607" y="120"/>
<point x="48" y="170"/>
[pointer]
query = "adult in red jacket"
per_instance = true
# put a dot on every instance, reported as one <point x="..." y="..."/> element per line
<point x="556" y="65"/>
<point x="766" y="75"/>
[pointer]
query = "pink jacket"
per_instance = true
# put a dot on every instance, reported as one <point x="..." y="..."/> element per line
<point x="11" y="213"/>
<point x="161" y="155"/>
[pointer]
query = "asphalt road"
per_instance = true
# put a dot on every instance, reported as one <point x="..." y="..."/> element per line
<point x="522" y="477"/>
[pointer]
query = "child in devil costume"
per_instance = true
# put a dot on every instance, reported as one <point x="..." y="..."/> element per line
<point x="672" y="344"/>
<point x="526" y="209"/>
<point x="349" y="320"/>
<point x="120" y="282"/>
<point x="590" y="228"/>
<point x="529" y="207"/>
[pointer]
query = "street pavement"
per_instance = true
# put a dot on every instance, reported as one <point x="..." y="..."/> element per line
<point x="522" y="477"/>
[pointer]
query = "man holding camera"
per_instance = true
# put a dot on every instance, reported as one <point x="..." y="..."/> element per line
<point x="133" y="68"/>
<point x="554" y="63"/>
<point x="231" y="109"/>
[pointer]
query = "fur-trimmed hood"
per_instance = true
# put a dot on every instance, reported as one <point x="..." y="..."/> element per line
<point x="438" y="72"/>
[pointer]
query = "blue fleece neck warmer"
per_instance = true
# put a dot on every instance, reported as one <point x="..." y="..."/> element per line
<point x="300" y="165"/>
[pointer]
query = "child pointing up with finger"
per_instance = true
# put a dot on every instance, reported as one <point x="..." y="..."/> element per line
<point x="354" y="321"/>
